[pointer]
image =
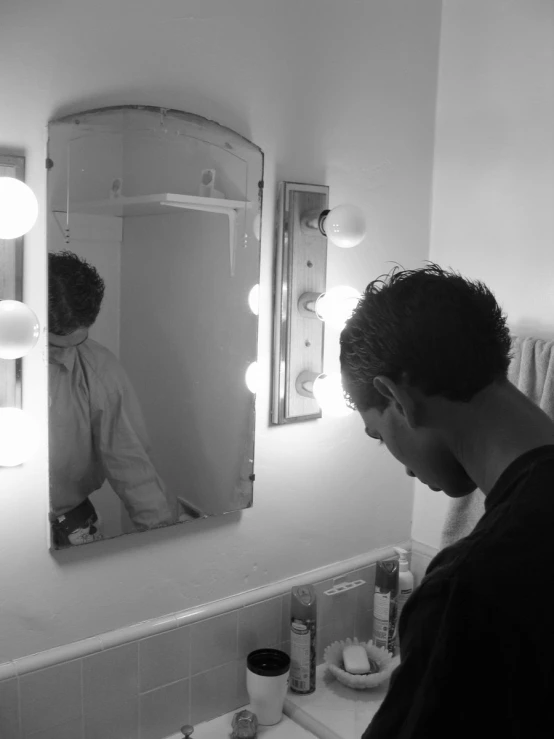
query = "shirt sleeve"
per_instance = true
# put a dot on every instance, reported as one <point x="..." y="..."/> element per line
<point x="122" y="444"/>
<point x="427" y="696"/>
<point x="402" y="699"/>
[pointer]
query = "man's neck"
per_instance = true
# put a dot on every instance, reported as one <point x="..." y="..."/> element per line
<point x="495" y="428"/>
<point x="72" y="339"/>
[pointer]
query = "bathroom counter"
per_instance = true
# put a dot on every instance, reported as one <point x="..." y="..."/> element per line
<point x="335" y="711"/>
<point x="220" y="728"/>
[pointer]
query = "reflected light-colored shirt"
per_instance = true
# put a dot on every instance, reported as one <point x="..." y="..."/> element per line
<point x="97" y="432"/>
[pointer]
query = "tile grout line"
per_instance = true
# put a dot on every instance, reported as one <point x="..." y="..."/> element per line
<point x="139" y="711"/>
<point x="82" y="698"/>
<point x="19" y="711"/>
<point x="174" y="682"/>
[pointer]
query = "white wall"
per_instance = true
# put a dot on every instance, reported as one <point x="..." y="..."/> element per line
<point x="335" y="93"/>
<point x="493" y="192"/>
<point x="185" y="341"/>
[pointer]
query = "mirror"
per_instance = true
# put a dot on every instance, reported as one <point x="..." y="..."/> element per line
<point x="153" y="237"/>
<point x="11" y="288"/>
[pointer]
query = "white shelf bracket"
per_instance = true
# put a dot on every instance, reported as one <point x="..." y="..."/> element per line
<point x="230" y="212"/>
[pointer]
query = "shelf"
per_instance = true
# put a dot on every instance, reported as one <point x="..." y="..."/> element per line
<point x="159" y="204"/>
<point x="147" y="205"/>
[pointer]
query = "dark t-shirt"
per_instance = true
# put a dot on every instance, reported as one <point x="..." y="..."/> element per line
<point x="477" y="636"/>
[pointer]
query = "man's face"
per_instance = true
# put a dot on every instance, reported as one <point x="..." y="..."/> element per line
<point x="422" y="451"/>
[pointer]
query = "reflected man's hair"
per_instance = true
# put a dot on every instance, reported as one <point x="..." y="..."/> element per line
<point x="75" y="293"/>
<point x="433" y="328"/>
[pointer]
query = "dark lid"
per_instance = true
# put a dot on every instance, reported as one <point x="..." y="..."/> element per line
<point x="268" y="662"/>
<point x="386" y="576"/>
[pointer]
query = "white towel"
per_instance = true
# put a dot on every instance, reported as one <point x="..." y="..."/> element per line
<point x="531" y="371"/>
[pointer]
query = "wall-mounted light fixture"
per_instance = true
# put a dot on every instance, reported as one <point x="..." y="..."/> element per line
<point x="19" y="327"/>
<point x="304" y="223"/>
<point x="18" y="207"/>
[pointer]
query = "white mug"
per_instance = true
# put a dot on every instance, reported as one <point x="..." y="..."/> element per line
<point x="267" y="680"/>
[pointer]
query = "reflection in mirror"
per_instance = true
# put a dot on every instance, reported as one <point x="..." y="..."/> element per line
<point x="11" y="288"/>
<point x="153" y="240"/>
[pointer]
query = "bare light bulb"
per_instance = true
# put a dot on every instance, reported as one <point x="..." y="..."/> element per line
<point x="336" y="305"/>
<point x="329" y="394"/>
<point x="19" y="329"/>
<point x="19" y="437"/>
<point x="345" y="226"/>
<point x="18" y="208"/>
<point x="252" y="376"/>
<point x="254" y="299"/>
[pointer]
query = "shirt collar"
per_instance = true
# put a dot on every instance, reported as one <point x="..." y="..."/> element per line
<point x="62" y="349"/>
<point x="513" y="473"/>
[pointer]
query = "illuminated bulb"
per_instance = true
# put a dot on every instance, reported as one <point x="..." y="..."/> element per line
<point x="251" y="377"/>
<point x="18" y="208"/>
<point x="345" y="226"/>
<point x="19" y="329"/>
<point x="18" y="437"/>
<point x="329" y="394"/>
<point x="336" y="305"/>
<point x="254" y="299"/>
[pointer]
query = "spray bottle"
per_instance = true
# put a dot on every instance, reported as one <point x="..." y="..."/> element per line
<point x="384" y="604"/>
<point x="303" y="612"/>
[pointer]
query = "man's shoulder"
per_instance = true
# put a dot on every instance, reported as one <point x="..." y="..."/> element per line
<point x="102" y="364"/>
<point x="98" y="354"/>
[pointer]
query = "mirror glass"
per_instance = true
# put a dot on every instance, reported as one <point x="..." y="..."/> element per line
<point x="153" y="237"/>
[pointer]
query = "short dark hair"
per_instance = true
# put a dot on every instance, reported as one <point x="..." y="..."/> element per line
<point x="75" y="293"/>
<point x="443" y="333"/>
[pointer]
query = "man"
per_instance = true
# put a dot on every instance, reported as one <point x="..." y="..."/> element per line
<point x="424" y="360"/>
<point x="96" y="427"/>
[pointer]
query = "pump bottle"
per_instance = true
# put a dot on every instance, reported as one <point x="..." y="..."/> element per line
<point x="405" y="583"/>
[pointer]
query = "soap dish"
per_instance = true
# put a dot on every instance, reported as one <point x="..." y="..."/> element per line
<point x="386" y="662"/>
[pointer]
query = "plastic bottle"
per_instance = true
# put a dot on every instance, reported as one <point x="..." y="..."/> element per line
<point x="384" y="604"/>
<point x="303" y="615"/>
<point x="405" y="580"/>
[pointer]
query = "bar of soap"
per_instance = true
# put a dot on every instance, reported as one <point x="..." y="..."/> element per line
<point x="355" y="660"/>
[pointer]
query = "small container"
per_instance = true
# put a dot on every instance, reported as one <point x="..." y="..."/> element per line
<point x="244" y="725"/>
<point x="303" y="629"/>
<point x="267" y="679"/>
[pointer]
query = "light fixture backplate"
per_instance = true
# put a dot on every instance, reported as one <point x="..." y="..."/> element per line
<point x="300" y="267"/>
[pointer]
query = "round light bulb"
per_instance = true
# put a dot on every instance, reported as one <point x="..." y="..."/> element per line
<point x="18" y="208"/>
<point x="345" y="226"/>
<point x="329" y="394"/>
<point x="18" y="437"/>
<point x="336" y="305"/>
<point x="251" y="377"/>
<point x="19" y="329"/>
<point x="254" y="299"/>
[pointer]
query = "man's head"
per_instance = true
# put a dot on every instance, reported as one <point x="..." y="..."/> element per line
<point x="415" y="336"/>
<point x="75" y="293"/>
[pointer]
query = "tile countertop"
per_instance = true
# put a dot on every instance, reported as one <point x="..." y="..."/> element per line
<point x="335" y="711"/>
<point x="220" y="728"/>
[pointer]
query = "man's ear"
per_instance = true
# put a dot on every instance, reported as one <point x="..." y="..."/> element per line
<point x="399" y="396"/>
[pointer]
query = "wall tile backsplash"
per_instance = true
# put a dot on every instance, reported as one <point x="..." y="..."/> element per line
<point x="149" y="688"/>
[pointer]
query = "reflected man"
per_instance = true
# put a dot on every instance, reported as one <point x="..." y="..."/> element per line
<point x="97" y="431"/>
